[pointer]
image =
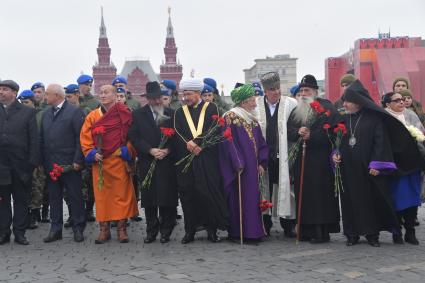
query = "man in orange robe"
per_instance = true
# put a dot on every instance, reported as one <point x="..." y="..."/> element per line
<point x="104" y="143"/>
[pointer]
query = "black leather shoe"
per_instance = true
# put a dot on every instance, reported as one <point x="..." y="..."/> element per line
<point x="289" y="233"/>
<point x="20" y="239"/>
<point x="78" y="236"/>
<point x="136" y="218"/>
<point x="69" y="223"/>
<point x="410" y="237"/>
<point x="188" y="237"/>
<point x="398" y="239"/>
<point x="4" y="239"/>
<point x="212" y="237"/>
<point x="45" y="220"/>
<point x="164" y="239"/>
<point x="351" y="241"/>
<point x="149" y="239"/>
<point x="374" y="243"/>
<point x="53" y="236"/>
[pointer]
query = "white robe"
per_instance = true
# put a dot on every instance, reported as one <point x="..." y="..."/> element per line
<point x="283" y="195"/>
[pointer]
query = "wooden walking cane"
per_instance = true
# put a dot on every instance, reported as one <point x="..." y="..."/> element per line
<point x="240" y="209"/>
<point x="300" y="193"/>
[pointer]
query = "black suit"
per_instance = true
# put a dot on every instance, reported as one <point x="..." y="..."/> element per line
<point x="60" y="143"/>
<point x="18" y="158"/>
<point x="144" y="135"/>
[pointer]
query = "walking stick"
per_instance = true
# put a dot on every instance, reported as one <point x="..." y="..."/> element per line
<point x="240" y="209"/>
<point x="300" y="193"/>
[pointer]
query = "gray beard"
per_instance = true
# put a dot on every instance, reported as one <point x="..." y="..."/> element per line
<point x="302" y="110"/>
<point x="159" y="111"/>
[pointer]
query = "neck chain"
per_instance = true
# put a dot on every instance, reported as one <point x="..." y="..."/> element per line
<point x="352" y="140"/>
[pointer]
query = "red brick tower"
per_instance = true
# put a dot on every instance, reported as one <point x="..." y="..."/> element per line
<point x="171" y="69"/>
<point x="104" y="71"/>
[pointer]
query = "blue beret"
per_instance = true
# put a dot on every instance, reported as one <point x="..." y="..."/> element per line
<point x="26" y="94"/>
<point x="259" y="91"/>
<point x="169" y="84"/>
<point x="207" y="89"/>
<point x="120" y="90"/>
<point x="166" y="91"/>
<point x="37" y="85"/>
<point x="257" y="85"/>
<point x="119" y="80"/>
<point x="295" y="89"/>
<point x="72" y="88"/>
<point x="211" y="82"/>
<point x="83" y="79"/>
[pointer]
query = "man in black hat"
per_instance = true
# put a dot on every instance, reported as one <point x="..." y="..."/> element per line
<point x="319" y="214"/>
<point x="161" y="194"/>
<point x="376" y="144"/>
<point x="19" y="156"/>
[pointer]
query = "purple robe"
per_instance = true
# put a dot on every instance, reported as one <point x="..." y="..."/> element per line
<point x="247" y="150"/>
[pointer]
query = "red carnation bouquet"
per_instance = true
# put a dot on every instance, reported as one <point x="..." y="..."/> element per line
<point x="98" y="132"/>
<point x="166" y="134"/>
<point x="212" y="137"/>
<point x="316" y="111"/>
<point x="339" y="130"/>
<point x="58" y="170"/>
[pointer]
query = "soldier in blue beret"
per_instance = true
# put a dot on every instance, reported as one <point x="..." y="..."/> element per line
<point x="72" y="94"/>
<point x="207" y="93"/>
<point x="39" y="95"/>
<point x="85" y="83"/>
<point x="295" y="91"/>
<point x="121" y="95"/>
<point x="27" y="98"/>
<point x="221" y="104"/>
<point x="258" y="89"/>
<point x="121" y="82"/>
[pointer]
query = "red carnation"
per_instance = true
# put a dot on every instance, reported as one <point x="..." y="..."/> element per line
<point x="340" y="128"/>
<point x="168" y="132"/>
<point x="326" y="126"/>
<point x="228" y="134"/>
<point x="99" y="130"/>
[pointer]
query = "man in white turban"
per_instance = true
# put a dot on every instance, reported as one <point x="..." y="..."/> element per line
<point x="200" y="187"/>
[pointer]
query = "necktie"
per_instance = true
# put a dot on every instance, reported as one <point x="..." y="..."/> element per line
<point x="56" y="110"/>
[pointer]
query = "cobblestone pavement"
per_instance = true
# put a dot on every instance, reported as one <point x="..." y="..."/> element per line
<point x="277" y="259"/>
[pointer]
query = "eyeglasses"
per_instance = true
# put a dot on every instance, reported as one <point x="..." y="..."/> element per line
<point x="398" y="100"/>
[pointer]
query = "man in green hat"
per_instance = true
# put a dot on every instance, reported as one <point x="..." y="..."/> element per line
<point x="346" y="81"/>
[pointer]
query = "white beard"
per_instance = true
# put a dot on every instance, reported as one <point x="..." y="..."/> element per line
<point x="302" y="110"/>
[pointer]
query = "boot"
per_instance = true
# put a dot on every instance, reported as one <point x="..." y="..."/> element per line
<point x="45" y="214"/>
<point x="410" y="237"/>
<point x="33" y="219"/>
<point x="105" y="233"/>
<point x="122" y="231"/>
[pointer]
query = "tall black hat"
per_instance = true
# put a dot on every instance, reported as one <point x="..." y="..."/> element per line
<point x="153" y="90"/>
<point x="309" y="81"/>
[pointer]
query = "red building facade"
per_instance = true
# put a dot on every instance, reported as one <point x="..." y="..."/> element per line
<point x="377" y="62"/>
<point x="138" y="71"/>
<point x="104" y="71"/>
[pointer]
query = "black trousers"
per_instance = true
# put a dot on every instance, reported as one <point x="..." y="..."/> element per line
<point x="163" y="223"/>
<point x="73" y="183"/>
<point x="21" y="193"/>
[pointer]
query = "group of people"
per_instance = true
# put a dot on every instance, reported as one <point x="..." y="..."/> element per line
<point x="234" y="169"/>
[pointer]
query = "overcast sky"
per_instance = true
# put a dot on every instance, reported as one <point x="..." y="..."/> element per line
<point x="54" y="40"/>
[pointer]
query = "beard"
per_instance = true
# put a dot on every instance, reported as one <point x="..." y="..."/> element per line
<point x="302" y="110"/>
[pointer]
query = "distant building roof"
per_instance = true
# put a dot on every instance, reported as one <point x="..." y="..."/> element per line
<point x="144" y="65"/>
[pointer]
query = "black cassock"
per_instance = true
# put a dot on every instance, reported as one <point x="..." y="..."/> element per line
<point x="366" y="201"/>
<point x="200" y="188"/>
<point x="319" y="204"/>
<point x="144" y="135"/>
